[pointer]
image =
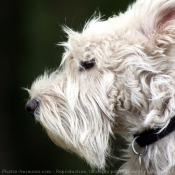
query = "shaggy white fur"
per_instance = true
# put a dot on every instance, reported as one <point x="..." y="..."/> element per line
<point x="117" y="76"/>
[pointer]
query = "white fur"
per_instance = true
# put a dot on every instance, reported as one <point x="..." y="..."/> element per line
<point x="130" y="89"/>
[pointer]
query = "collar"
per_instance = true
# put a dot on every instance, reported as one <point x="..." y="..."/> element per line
<point x="150" y="136"/>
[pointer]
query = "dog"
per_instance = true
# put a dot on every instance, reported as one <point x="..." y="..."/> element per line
<point x="116" y="76"/>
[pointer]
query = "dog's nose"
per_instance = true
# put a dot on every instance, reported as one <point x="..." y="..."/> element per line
<point x="31" y="106"/>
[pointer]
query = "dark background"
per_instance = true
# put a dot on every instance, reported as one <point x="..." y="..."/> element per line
<point x="29" y="32"/>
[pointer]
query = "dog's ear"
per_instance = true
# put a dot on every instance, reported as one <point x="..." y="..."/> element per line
<point x="164" y="20"/>
<point x="155" y="17"/>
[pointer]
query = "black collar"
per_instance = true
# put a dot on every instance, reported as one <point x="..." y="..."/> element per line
<point x="150" y="136"/>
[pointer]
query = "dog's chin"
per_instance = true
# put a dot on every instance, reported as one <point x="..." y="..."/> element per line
<point x="89" y="151"/>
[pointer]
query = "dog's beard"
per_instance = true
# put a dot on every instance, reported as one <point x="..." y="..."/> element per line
<point x="89" y="138"/>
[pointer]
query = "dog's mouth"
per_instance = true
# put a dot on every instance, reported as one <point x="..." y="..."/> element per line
<point x="32" y="107"/>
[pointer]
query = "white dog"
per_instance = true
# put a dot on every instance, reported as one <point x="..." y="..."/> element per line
<point x="117" y="76"/>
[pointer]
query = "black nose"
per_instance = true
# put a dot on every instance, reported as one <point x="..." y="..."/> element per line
<point x="31" y="106"/>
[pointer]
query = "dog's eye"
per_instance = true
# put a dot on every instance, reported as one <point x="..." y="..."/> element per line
<point x="87" y="64"/>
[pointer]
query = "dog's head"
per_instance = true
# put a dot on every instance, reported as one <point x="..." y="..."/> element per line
<point x="115" y="76"/>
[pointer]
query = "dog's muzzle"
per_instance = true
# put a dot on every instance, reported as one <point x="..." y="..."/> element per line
<point x="31" y="106"/>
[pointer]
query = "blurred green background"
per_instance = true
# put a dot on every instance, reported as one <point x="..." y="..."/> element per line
<point x="29" y="32"/>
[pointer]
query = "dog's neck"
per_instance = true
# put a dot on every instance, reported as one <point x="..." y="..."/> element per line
<point x="150" y="136"/>
<point x="158" y="158"/>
